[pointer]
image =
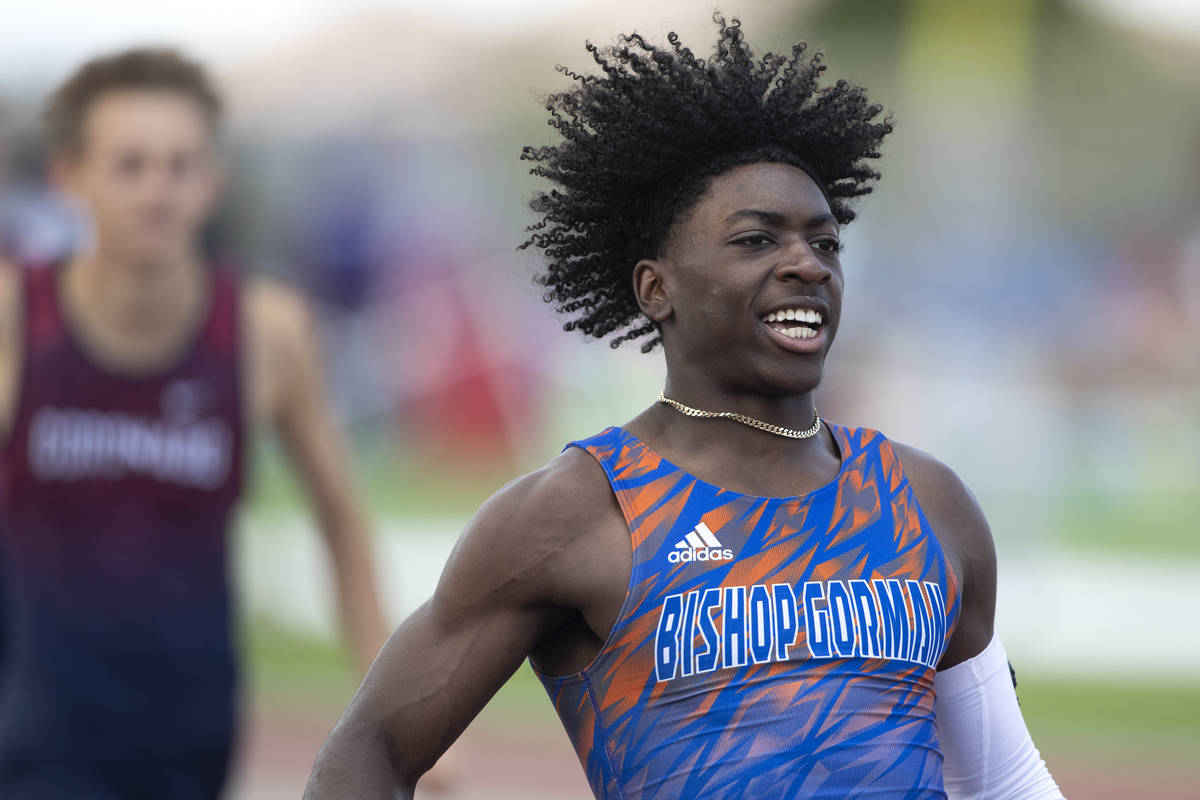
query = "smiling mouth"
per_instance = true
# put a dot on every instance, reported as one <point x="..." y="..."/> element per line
<point x="795" y="323"/>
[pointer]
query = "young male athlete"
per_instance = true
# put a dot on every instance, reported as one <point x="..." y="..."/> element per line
<point x="131" y="377"/>
<point x="727" y="597"/>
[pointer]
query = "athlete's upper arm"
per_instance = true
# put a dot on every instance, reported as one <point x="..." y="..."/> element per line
<point x="506" y="587"/>
<point x="287" y="390"/>
<point x="283" y="350"/>
<point x="10" y="345"/>
<point x="963" y="531"/>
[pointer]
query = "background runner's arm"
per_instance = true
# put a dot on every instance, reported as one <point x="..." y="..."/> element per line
<point x="10" y="345"/>
<point x="445" y="662"/>
<point x="302" y="417"/>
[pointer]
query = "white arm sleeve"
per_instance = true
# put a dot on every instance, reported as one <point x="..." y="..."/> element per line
<point x="988" y="752"/>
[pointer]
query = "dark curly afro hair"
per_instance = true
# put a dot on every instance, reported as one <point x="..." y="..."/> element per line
<point x="642" y="141"/>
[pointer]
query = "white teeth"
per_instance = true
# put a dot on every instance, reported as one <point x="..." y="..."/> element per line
<point x="799" y="333"/>
<point x="806" y="315"/>
<point x="793" y="314"/>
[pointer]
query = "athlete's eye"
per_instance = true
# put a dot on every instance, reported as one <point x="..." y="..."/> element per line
<point x="828" y="245"/>
<point x="754" y="240"/>
<point x="128" y="165"/>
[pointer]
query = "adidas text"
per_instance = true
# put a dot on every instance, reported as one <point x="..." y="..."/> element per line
<point x="710" y="554"/>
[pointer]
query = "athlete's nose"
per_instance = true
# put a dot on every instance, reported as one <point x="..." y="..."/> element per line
<point x="799" y="260"/>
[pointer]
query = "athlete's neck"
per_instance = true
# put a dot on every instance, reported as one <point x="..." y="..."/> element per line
<point x="794" y="411"/>
<point x="134" y="314"/>
<point x="734" y="455"/>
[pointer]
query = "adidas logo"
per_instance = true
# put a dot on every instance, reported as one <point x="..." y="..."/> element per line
<point x="699" y="545"/>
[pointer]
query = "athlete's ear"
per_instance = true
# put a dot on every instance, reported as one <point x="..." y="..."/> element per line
<point x="650" y="289"/>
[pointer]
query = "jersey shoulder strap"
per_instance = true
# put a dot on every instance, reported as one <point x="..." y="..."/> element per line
<point x="220" y="333"/>
<point x="43" y="318"/>
<point x="643" y="482"/>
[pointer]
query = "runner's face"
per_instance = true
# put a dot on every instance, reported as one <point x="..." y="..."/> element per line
<point x="146" y="172"/>
<point x="761" y="241"/>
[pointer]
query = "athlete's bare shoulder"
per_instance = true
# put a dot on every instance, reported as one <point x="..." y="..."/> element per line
<point x="554" y="543"/>
<point x="272" y="301"/>
<point x="947" y="502"/>
<point x="559" y="525"/>
<point x="963" y="531"/>
<point x="10" y="343"/>
<point x="275" y="315"/>
<point x="278" y="332"/>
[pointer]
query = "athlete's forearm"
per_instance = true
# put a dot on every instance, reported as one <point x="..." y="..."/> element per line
<point x="357" y="595"/>
<point x="356" y="763"/>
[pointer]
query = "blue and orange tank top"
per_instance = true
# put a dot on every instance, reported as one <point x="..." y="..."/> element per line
<point x="766" y="647"/>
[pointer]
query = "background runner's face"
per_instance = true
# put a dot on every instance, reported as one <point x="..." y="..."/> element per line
<point x="761" y="239"/>
<point x="146" y="172"/>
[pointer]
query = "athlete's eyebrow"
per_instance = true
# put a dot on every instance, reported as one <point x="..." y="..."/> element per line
<point x="818" y="220"/>
<point x="776" y="218"/>
<point x="769" y="217"/>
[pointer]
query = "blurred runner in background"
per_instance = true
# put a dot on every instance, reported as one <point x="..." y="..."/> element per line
<point x="131" y="376"/>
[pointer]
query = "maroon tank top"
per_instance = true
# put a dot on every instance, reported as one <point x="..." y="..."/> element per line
<point x="115" y="499"/>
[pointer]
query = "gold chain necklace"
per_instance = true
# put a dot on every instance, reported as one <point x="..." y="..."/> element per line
<point x="778" y="430"/>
